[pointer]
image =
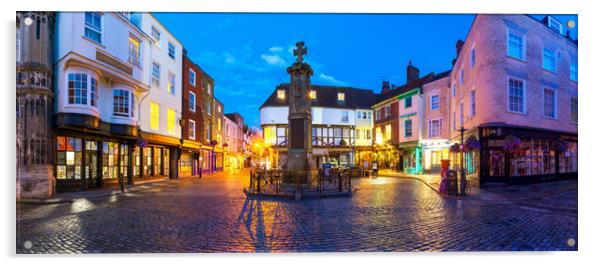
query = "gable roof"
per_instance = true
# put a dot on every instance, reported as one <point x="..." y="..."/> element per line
<point x="327" y="96"/>
<point x="417" y="83"/>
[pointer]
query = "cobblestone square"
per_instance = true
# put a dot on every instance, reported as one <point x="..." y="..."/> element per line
<point x="213" y="215"/>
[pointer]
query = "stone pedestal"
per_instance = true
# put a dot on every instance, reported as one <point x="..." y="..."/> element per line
<point x="299" y="159"/>
<point x="35" y="182"/>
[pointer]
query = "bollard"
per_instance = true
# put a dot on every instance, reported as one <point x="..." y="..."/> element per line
<point x="340" y="181"/>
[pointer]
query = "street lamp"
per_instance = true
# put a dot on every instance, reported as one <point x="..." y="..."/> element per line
<point x="462" y="173"/>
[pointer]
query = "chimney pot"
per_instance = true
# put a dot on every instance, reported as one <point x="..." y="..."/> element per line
<point x="412" y="72"/>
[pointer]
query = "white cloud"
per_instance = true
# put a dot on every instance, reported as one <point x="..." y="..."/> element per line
<point x="229" y="58"/>
<point x="330" y="79"/>
<point x="276" y="49"/>
<point x="273" y="59"/>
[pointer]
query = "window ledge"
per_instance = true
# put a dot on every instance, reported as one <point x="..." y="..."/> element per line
<point x="94" y="42"/>
<point x="517" y="113"/>
<point x="549" y="118"/>
<point x="517" y="59"/>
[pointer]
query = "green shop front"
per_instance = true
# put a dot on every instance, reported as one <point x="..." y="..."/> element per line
<point x="411" y="157"/>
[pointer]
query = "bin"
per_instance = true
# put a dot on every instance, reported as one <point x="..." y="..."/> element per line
<point x="451" y="178"/>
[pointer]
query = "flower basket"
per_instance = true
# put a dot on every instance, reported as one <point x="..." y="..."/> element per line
<point x="454" y="148"/>
<point x="213" y="142"/>
<point x="511" y="143"/>
<point x="472" y="144"/>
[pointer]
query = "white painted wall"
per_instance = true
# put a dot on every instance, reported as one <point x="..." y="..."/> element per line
<point x="160" y="94"/>
<point x="75" y="53"/>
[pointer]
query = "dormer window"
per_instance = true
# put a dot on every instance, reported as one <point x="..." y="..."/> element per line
<point x="312" y="94"/>
<point x="555" y="24"/>
<point x="281" y="94"/>
<point x="341" y="96"/>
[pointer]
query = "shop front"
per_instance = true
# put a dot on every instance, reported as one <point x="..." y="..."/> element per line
<point x="520" y="154"/>
<point x="411" y="157"/>
<point x="219" y="161"/>
<point x="388" y="157"/>
<point x="337" y="157"/>
<point x="433" y="152"/>
<point x="91" y="154"/>
<point x="207" y="160"/>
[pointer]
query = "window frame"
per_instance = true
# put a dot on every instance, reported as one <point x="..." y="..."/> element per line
<point x="405" y="102"/>
<point x="93" y="28"/>
<point x="171" y="83"/>
<point x="432" y="106"/>
<point x="554" y="58"/>
<point x="439" y="127"/>
<point x="134" y="60"/>
<point x="171" y="50"/>
<point x="472" y="97"/>
<point x="280" y="94"/>
<point x="388" y="111"/>
<point x="193" y="109"/>
<point x="405" y="128"/>
<point x="123" y="104"/>
<point x="524" y="95"/>
<point x="573" y="64"/>
<point x="555" y="102"/>
<point x="523" y="44"/>
<point x="345" y="116"/>
<point x="193" y="123"/>
<point x="83" y="91"/>
<point x="191" y="77"/>
<point x="339" y="98"/>
<point x="156" y="78"/>
<point x="157" y="32"/>
<point x="157" y="115"/>
<point x="472" y="57"/>
<point x="574" y="118"/>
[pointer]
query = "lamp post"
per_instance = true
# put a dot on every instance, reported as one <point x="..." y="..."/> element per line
<point x="462" y="173"/>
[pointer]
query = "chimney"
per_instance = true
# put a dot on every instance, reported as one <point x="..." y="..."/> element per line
<point x="412" y="72"/>
<point x="386" y="87"/>
<point x="459" y="45"/>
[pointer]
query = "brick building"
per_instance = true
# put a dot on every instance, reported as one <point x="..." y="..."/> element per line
<point x="515" y="78"/>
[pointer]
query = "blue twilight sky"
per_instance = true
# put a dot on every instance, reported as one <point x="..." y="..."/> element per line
<point x="247" y="54"/>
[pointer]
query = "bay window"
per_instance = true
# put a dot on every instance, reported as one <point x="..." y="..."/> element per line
<point x="121" y="102"/>
<point x="77" y="88"/>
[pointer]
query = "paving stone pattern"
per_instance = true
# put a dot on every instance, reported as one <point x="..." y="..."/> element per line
<point x="213" y="215"/>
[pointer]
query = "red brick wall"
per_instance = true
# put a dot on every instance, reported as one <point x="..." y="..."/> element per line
<point x="197" y="90"/>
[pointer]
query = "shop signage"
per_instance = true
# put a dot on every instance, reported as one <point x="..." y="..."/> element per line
<point x="113" y="62"/>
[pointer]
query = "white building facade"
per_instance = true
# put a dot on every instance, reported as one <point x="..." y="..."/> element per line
<point x="103" y="87"/>
<point x="338" y="114"/>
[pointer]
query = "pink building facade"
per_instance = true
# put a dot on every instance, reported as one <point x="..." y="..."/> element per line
<point x="515" y="78"/>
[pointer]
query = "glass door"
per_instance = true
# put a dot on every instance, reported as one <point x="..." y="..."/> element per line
<point x="91" y="164"/>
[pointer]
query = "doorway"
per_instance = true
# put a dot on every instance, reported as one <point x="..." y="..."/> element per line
<point x="91" y="165"/>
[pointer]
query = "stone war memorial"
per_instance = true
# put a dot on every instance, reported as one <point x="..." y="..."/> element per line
<point x="299" y="176"/>
<point x="299" y="163"/>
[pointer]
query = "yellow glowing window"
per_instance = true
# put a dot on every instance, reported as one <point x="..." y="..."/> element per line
<point x="154" y="116"/>
<point x="312" y="94"/>
<point x="280" y="94"/>
<point x="387" y="132"/>
<point x="379" y="136"/>
<point x="134" y="51"/>
<point x="171" y="121"/>
<point x="341" y="96"/>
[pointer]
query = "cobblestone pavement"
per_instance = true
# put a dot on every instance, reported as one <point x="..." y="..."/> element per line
<point x="213" y="215"/>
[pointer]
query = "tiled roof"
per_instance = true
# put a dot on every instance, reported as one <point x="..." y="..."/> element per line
<point x="327" y="96"/>
<point x="417" y="83"/>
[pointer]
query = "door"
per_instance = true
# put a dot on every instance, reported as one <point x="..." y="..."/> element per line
<point x="91" y="165"/>
<point x="435" y="162"/>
